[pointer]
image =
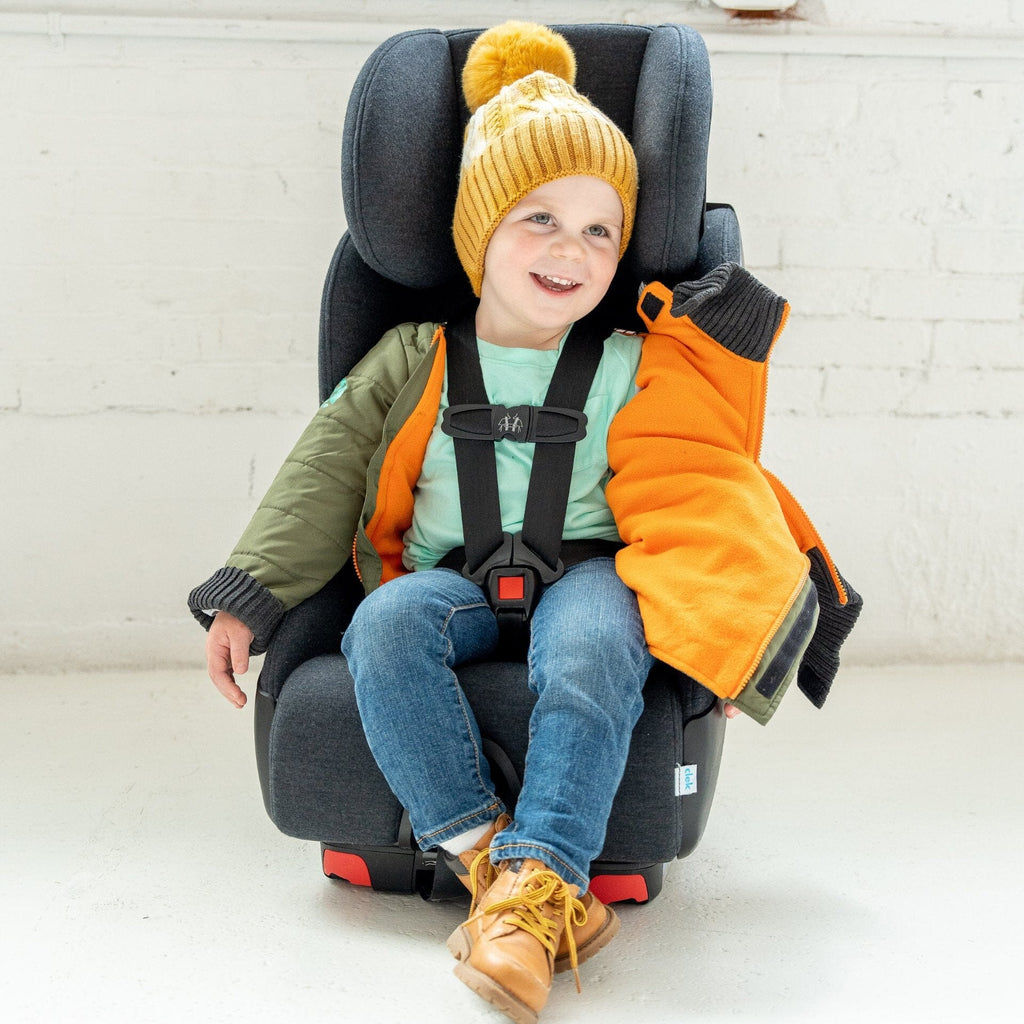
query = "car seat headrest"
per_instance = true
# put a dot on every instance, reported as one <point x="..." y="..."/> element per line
<point x="404" y="129"/>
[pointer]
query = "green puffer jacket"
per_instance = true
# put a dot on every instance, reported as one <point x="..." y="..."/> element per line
<point x="351" y="474"/>
<point x="713" y="540"/>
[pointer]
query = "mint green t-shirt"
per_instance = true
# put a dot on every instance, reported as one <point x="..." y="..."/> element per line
<point x="520" y="376"/>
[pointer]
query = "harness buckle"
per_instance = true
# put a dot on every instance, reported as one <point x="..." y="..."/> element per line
<point x="513" y="576"/>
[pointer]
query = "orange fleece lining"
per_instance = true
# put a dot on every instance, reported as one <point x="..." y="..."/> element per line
<point x="401" y="469"/>
<point x="710" y="549"/>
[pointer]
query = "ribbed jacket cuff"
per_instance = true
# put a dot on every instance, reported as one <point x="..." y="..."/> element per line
<point x="835" y="622"/>
<point x="236" y="592"/>
<point x="730" y="305"/>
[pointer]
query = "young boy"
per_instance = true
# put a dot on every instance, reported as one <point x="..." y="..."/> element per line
<point x="544" y="212"/>
<point x="545" y="208"/>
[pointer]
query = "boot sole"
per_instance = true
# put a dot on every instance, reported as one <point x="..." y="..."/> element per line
<point x="487" y="988"/>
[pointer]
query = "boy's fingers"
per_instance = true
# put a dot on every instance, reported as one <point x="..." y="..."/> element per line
<point x="227" y="686"/>
<point x="222" y="678"/>
<point x="225" y="656"/>
<point x="240" y="653"/>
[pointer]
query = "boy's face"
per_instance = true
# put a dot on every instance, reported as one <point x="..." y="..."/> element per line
<point x="550" y="261"/>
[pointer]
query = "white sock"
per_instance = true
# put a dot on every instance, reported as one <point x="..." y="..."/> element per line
<point x="466" y="841"/>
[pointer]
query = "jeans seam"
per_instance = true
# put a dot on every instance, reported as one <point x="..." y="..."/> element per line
<point x="466" y="817"/>
<point x="459" y="608"/>
<point x="461" y="697"/>
<point x="535" y="846"/>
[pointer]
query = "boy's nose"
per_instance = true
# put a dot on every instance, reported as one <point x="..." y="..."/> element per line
<point x="567" y="248"/>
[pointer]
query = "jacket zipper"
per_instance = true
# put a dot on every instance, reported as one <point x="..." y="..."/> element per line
<point x="355" y="561"/>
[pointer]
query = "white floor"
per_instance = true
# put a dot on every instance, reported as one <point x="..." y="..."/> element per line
<point x="863" y="863"/>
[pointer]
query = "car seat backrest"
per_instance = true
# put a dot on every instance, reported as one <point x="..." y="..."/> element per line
<point x="400" y="154"/>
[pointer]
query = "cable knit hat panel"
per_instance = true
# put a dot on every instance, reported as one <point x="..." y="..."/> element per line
<point x="529" y="127"/>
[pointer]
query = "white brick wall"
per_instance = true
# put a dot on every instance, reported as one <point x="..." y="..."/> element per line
<point x="169" y="201"/>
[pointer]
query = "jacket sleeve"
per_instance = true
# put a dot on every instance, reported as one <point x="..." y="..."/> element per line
<point x="303" y="530"/>
<point x="718" y="567"/>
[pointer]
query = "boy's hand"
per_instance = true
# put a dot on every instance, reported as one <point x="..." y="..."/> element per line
<point x="227" y="655"/>
<point x="731" y="711"/>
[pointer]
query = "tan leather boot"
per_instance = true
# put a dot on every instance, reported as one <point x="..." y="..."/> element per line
<point x="520" y="922"/>
<point x="474" y="870"/>
<point x="600" y="927"/>
<point x="592" y="936"/>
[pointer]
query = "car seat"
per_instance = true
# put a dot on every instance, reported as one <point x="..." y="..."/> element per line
<point x="401" y="146"/>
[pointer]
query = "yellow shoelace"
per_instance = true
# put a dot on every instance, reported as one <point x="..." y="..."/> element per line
<point x="474" y="878"/>
<point x="526" y="906"/>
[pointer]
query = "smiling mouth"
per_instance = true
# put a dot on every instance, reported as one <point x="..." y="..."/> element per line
<point x="555" y="284"/>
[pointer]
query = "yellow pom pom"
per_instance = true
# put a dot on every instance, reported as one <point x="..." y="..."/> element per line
<point x="504" y="54"/>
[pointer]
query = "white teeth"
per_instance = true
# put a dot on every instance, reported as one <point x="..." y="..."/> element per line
<point x="560" y="281"/>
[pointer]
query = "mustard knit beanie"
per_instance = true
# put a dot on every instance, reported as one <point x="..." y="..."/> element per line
<point x="529" y="126"/>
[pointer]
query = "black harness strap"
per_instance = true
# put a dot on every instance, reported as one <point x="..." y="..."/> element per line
<point x="475" y="463"/>
<point x="551" y="476"/>
<point x="494" y="559"/>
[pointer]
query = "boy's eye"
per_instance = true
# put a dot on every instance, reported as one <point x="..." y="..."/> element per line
<point x="541" y="218"/>
<point x="597" y="229"/>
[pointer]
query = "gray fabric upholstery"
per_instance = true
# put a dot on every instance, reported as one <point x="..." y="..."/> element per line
<point x="389" y="169"/>
<point x="670" y="137"/>
<point x="323" y="783"/>
<point x="721" y="242"/>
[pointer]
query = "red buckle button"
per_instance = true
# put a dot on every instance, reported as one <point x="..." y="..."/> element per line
<point x="511" y="588"/>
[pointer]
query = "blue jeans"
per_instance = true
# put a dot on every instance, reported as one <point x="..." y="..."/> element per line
<point x="587" y="663"/>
